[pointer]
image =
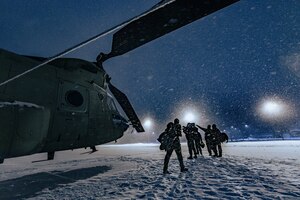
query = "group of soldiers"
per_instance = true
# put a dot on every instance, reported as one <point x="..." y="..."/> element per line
<point x="170" y="141"/>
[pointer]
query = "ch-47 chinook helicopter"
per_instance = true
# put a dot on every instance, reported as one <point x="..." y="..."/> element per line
<point x="53" y="104"/>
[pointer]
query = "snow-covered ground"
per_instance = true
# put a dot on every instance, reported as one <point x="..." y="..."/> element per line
<point x="248" y="170"/>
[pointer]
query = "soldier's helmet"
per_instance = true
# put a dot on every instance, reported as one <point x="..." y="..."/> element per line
<point x="214" y="126"/>
<point x="208" y="126"/>
<point x="176" y="121"/>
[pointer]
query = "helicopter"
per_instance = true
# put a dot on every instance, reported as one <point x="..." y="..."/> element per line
<point x="68" y="103"/>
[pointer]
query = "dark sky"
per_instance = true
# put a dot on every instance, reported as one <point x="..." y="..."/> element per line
<point x="225" y="64"/>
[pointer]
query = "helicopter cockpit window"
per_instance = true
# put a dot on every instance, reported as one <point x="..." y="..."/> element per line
<point x="74" y="98"/>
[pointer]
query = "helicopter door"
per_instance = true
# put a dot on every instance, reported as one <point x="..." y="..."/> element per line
<point x="71" y="119"/>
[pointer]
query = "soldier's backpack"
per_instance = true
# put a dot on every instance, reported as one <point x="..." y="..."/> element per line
<point x="165" y="141"/>
<point x="223" y="137"/>
<point x="161" y="139"/>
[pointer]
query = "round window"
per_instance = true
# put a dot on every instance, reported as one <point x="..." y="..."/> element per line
<point x="74" y="98"/>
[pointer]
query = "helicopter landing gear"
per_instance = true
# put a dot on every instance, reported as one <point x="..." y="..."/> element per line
<point x="50" y="155"/>
<point x="93" y="149"/>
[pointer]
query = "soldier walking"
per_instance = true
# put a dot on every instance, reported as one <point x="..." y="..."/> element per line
<point x="172" y="134"/>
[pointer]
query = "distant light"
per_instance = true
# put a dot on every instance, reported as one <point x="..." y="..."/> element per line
<point x="274" y="109"/>
<point x="148" y="123"/>
<point x="189" y="117"/>
<point x="190" y="112"/>
<point x="246" y="126"/>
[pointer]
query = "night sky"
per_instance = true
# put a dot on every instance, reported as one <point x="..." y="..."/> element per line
<point x="224" y="66"/>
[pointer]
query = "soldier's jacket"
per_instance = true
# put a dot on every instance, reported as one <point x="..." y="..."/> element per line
<point x="207" y="134"/>
<point x="215" y="136"/>
<point x="177" y="128"/>
<point x="188" y="133"/>
<point x="175" y="134"/>
<point x="170" y="140"/>
<point x="197" y="136"/>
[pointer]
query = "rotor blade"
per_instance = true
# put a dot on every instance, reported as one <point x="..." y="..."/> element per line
<point x="166" y="19"/>
<point x="127" y="107"/>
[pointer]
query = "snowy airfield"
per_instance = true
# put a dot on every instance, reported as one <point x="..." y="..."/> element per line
<point x="248" y="170"/>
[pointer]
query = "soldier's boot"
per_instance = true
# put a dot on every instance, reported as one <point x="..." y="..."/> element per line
<point x="220" y="154"/>
<point x="184" y="169"/>
<point x="215" y="152"/>
<point x="165" y="170"/>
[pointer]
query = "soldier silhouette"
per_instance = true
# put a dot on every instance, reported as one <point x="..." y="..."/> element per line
<point x="207" y="137"/>
<point x="172" y="134"/>
<point x="216" y="140"/>
<point x="198" y="140"/>
<point x="188" y="130"/>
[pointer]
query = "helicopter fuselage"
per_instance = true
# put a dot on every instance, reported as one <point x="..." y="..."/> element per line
<point x="64" y="105"/>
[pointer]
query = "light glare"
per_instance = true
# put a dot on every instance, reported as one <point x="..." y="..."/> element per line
<point x="274" y="109"/>
<point x="148" y="123"/>
<point x="189" y="117"/>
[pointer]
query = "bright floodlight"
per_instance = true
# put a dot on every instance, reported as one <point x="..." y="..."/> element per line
<point x="189" y="117"/>
<point x="274" y="109"/>
<point x="148" y="123"/>
<point x="190" y="112"/>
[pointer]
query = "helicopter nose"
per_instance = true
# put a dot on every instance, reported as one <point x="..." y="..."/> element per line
<point x="120" y="122"/>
